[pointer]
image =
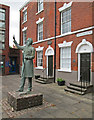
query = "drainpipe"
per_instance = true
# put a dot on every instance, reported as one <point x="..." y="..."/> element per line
<point x="55" y="47"/>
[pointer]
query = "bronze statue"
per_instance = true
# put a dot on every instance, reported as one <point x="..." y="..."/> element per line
<point x="27" y="67"/>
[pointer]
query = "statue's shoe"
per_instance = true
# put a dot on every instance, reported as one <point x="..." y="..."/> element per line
<point x="29" y="90"/>
<point x="19" y="90"/>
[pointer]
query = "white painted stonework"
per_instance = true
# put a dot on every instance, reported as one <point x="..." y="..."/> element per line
<point x="39" y="68"/>
<point x="65" y="6"/>
<point x="40" y="20"/>
<point x="84" y="33"/>
<point x="39" y="11"/>
<point x="49" y="51"/>
<point x="25" y="8"/>
<point x="84" y="47"/>
<point x="24" y="29"/>
<point x="65" y="44"/>
<point x="39" y="48"/>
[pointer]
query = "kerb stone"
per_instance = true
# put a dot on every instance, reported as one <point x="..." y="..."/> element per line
<point x="24" y="101"/>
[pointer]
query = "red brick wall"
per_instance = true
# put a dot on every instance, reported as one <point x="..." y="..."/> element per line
<point x="81" y="15"/>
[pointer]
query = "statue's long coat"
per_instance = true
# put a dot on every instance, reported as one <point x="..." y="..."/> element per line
<point x="27" y="66"/>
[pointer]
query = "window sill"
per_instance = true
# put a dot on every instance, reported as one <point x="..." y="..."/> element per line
<point x="64" y="34"/>
<point x="24" y="22"/>
<point x="39" y="40"/>
<point x="64" y="70"/>
<point x="39" y="68"/>
<point x="39" y="11"/>
<point x="2" y="29"/>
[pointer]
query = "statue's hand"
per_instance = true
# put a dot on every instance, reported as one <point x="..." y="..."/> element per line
<point x="14" y="40"/>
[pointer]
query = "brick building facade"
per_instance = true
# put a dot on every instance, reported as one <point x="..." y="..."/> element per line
<point x="74" y="38"/>
<point x="4" y="38"/>
<point x="9" y="57"/>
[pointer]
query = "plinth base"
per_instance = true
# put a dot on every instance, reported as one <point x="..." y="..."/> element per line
<point x="23" y="101"/>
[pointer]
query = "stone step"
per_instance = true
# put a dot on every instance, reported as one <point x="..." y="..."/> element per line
<point x="45" y="77"/>
<point x="45" y="80"/>
<point x="74" y="91"/>
<point x="76" y="88"/>
<point x="40" y="81"/>
<point x="78" y="84"/>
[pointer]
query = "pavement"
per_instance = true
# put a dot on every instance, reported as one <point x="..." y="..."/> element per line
<point x="56" y="102"/>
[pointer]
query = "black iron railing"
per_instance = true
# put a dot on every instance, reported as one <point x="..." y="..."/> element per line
<point x="84" y="79"/>
<point x="43" y="71"/>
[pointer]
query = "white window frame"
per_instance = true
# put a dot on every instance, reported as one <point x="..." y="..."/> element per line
<point x="62" y="9"/>
<point x="65" y="22"/>
<point x="39" y="21"/>
<point x="65" y="45"/>
<point x="40" y="31"/>
<point x="3" y="26"/>
<point x="63" y="58"/>
<point x="25" y="16"/>
<point x="40" y="2"/>
<point x="2" y="12"/>
<point x="39" y="58"/>
<point x="24" y="30"/>
<point x="24" y="36"/>
<point x="38" y="50"/>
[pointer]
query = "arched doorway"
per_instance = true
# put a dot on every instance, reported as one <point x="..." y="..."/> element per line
<point x="84" y="50"/>
<point x="49" y="54"/>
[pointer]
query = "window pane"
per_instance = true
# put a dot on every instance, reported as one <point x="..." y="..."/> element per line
<point x="40" y="31"/>
<point x="2" y="36"/>
<point x="24" y="37"/>
<point x="2" y="45"/>
<point x="65" y="58"/>
<point x="2" y="24"/>
<point x="25" y="16"/>
<point x="40" y="5"/>
<point x="40" y="58"/>
<point x="2" y="16"/>
<point x="66" y="21"/>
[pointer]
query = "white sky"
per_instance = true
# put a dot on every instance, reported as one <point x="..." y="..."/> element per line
<point x="14" y="17"/>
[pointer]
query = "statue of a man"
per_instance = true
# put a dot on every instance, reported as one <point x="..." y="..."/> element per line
<point x="27" y="67"/>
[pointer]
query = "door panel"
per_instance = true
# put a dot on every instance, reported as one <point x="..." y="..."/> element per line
<point x="85" y="67"/>
<point x="50" y="65"/>
<point x="12" y="65"/>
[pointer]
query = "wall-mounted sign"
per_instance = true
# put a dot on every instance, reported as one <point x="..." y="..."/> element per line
<point x="74" y="61"/>
<point x="49" y="42"/>
<point x="84" y="33"/>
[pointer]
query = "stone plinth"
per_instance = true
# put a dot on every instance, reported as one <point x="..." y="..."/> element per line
<point x="22" y="101"/>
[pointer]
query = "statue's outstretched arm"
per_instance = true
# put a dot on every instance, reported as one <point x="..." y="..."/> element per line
<point x="17" y="45"/>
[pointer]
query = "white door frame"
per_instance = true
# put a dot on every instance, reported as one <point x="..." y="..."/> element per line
<point x="78" y="67"/>
<point x="83" y="47"/>
<point x="49" y="52"/>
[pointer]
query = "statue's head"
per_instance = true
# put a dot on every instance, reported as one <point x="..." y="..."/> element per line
<point x="29" y="41"/>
